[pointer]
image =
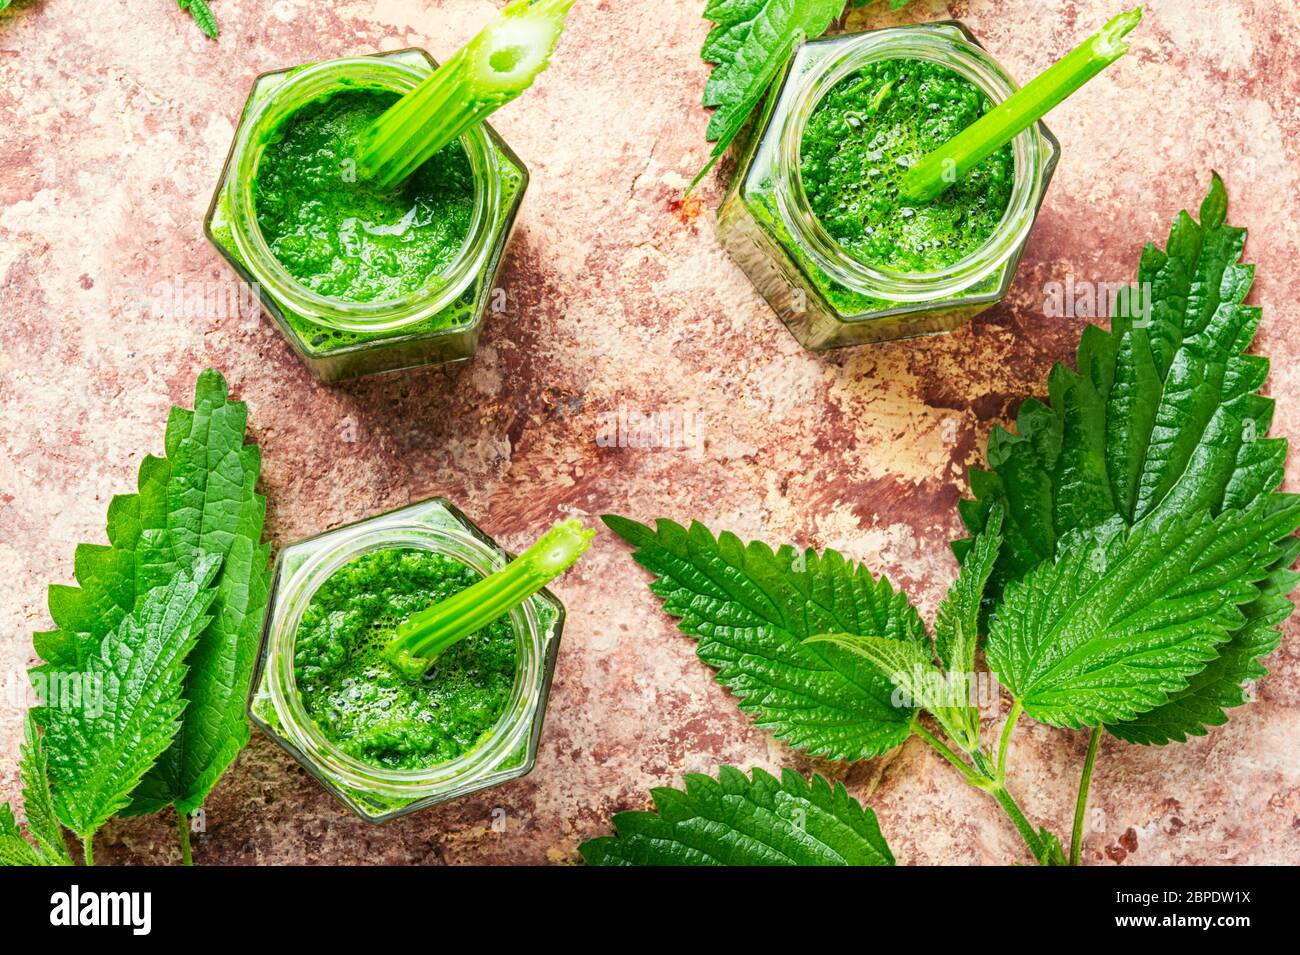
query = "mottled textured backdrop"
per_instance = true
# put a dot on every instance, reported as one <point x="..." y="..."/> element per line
<point x="115" y="117"/>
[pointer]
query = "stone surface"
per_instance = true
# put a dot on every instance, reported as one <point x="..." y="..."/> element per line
<point x="115" y="118"/>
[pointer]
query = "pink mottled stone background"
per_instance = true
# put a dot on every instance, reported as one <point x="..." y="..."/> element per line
<point x="115" y="117"/>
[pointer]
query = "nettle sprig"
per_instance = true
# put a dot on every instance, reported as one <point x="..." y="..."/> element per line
<point x="203" y="16"/>
<point x="144" y="679"/>
<point x="1128" y="568"/>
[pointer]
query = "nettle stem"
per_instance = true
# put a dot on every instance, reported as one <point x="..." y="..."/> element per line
<point x="1004" y="744"/>
<point x="426" y="635"/>
<point x="488" y="72"/>
<point x="1081" y="803"/>
<point x="954" y="159"/>
<point x="988" y="775"/>
<point x="183" y="831"/>
<point x="1018" y="818"/>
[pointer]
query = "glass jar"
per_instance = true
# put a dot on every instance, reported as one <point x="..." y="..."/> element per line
<point x="508" y="751"/>
<point x="338" y="339"/>
<point x="826" y="297"/>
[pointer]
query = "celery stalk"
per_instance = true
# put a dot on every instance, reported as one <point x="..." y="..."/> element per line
<point x="488" y="72"/>
<point x="946" y="165"/>
<point x="425" y="635"/>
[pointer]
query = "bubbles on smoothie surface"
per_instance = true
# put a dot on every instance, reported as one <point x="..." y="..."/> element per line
<point x="338" y="234"/>
<point x="862" y="138"/>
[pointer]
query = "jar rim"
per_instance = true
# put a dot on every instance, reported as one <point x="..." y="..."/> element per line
<point x="945" y="47"/>
<point x="508" y="733"/>
<point x="311" y="83"/>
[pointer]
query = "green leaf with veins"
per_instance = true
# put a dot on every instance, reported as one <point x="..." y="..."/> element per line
<point x="746" y="36"/>
<point x="213" y="509"/>
<point x="750" y="609"/>
<point x="14" y="849"/>
<point x="97" y="755"/>
<point x="956" y="627"/>
<point x="736" y="821"/>
<point x="42" y="825"/>
<point x="1162" y="417"/>
<point x="910" y="666"/>
<point x="1218" y="687"/>
<point x="202" y="15"/>
<point x="944" y="691"/>
<point x="1111" y="629"/>
<point x="199" y="499"/>
<point x="38" y="804"/>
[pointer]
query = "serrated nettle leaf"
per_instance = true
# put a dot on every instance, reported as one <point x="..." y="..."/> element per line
<point x="1111" y="629"/>
<point x="38" y="803"/>
<point x="750" y="609"/>
<point x="17" y="851"/>
<point x="736" y="821"/>
<point x="956" y="626"/>
<point x="918" y="682"/>
<point x="199" y="500"/>
<point x="42" y="825"/>
<point x="202" y="15"/>
<point x="750" y="42"/>
<point x="98" y="756"/>
<point x="1161" y="420"/>
<point x="214" y="510"/>
<point x="956" y="631"/>
<point x="1219" y="686"/>
<point x="747" y="37"/>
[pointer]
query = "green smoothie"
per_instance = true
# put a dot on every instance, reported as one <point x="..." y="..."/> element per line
<point x="341" y="236"/>
<point x="866" y="133"/>
<point x="366" y="707"/>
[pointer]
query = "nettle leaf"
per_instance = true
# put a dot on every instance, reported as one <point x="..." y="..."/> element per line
<point x="198" y="500"/>
<point x="38" y="804"/>
<point x="129" y="710"/>
<point x="956" y="626"/>
<point x="42" y="824"/>
<point x="14" y="849"/>
<point x="733" y="821"/>
<point x="1112" y="628"/>
<point x="213" y="510"/>
<point x="749" y="42"/>
<point x="202" y="15"/>
<point x="1162" y="418"/>
<point x="751" y="608"/>
<point x="1219" y="686"/>
<point x="910" y="666"/>
<point x="943" y="689"/>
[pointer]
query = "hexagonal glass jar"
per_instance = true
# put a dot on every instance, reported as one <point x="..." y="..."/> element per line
<point x="338" y="339"/>
<point x="826" y="297"/>
<point x="508" y="751"/>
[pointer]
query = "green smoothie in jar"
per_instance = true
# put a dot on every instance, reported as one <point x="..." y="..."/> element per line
<point x="363" y="704"/>
<point x="863" y="137"/>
